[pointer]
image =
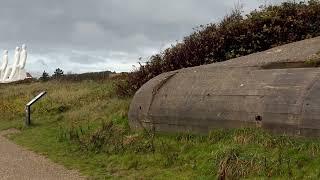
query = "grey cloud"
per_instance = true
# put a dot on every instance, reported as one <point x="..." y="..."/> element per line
<point x="136" y="28"/>
<point x="42" y="62"/>
<point x="108" y="24"/>
<point x="85" y="59"/>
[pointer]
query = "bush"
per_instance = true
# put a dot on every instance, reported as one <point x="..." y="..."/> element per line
<point x="45" y="76"/>
<point x="234" y="36"/>
<point x="94" y="76"/>
<point x="58" y="73"/>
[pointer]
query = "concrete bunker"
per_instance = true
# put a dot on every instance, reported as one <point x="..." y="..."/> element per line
<point x="278" y="90"/>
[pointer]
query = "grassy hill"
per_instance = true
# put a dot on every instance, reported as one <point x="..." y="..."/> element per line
<point x="84" y="126"/>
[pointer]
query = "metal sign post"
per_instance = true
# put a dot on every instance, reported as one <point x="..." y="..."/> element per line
<point x="28" y="107"/>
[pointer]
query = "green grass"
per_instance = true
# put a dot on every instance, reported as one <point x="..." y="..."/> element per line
<point x="84" y="126"/>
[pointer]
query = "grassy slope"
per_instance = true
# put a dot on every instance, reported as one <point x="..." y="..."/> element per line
<point x="71" y="125"/>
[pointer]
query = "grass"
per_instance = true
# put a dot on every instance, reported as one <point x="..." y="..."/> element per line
<point x="84" y="126"/>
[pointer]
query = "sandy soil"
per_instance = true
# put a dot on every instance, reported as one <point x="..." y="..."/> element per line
<point x="18" y="163"/>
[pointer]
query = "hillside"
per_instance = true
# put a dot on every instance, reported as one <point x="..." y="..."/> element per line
<point x="84" y="126"/>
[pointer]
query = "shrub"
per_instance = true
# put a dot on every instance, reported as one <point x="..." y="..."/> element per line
<point x="234" y="36"/>
<point x="94" y="76"/>
<point x="45" y="76"/>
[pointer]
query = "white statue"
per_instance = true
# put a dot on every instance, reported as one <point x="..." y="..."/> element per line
<point x="4" y="64"/>
<point x="16" y="71"/>
<point x="15" y="67"/>
<point x="23" y="59"/>
<point x="10" y="71"/>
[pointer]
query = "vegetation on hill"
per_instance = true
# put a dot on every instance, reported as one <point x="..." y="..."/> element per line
<point x="84" y="126"/>
<point x="234" y="36"/>
<point x="94" y="76"/>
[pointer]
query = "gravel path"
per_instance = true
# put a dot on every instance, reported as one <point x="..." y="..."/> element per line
<point x="18" y="163"/>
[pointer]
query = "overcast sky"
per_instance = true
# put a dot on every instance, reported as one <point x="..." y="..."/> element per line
<point x="96" y="35"/>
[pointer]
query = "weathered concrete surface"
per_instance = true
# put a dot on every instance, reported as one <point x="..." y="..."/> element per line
<point x="242" y="92"/>
<point x="17" y="163"/>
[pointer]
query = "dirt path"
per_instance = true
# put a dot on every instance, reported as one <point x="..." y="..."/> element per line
<point x="18" y="163"/>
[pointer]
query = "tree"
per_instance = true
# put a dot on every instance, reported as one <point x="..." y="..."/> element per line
<point x="57" y="73"/>
<point x="45" y="76"/>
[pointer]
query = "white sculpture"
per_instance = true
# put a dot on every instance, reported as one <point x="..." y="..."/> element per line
<point x="4" y="64"/>
<point x="11" y="71"/>
<point x="16" y="71"/>
<point x="22" y="74"/>
<point x="15" y="66"/>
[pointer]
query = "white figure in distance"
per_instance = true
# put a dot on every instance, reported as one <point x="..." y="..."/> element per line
<point x="4" y="64"/>
<point x="11" y="71"/>
<point x="21" y="75"/>
<point x="15" y="67"/>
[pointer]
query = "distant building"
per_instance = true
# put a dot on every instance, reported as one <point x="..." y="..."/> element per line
<point x="29" y="76"/>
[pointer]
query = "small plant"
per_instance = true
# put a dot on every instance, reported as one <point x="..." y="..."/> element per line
<point x="58" y="73"/>
<point x="169" y="153"/>
<point x="218" y="135"/>
<point x="45" y="76"/>
<point x="314" y="61"/>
